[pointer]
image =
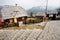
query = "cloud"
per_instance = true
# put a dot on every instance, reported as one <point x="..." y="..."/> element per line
<point x="27" y="4"/>
<point x="54" y="3"/>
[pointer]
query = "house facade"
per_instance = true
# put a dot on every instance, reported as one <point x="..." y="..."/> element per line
<point x="13" y="14"/>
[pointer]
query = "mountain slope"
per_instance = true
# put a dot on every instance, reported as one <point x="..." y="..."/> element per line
<point x="40" y="9"/>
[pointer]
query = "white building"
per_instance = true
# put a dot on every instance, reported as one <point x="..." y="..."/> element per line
<point x="44" y="14"/>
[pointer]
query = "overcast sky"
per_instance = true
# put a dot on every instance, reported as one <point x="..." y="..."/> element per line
<point x="27" y="4"/>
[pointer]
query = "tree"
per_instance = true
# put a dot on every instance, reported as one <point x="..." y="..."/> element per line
<point x="58" y="11"/>
<point x="31" y="14"/>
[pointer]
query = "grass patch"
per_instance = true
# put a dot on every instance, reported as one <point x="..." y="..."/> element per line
<point x="25" y="27"/>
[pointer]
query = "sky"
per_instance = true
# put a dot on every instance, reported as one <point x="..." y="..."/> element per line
<point x="27" y="4"/>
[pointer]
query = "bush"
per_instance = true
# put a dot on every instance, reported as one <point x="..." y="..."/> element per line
<point x="37" y="20"/>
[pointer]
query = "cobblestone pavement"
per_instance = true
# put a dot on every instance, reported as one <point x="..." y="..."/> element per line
<point x="50" y="32"/>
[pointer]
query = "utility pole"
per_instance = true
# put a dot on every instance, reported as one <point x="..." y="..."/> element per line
<point x="45" y="18"/>
<point x="47" y="15"/>
<point x="46" y="6"/>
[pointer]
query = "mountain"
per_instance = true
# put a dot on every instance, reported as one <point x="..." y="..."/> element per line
<point x="1" y="7"/>
<point x="40" y="9"/>
<point x="35" y="9"/>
